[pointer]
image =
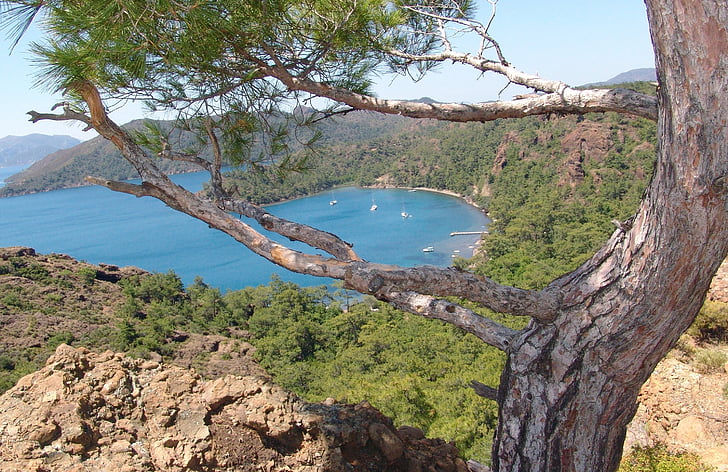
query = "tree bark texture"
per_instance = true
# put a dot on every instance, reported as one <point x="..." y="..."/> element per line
<point x="570" y="386"/>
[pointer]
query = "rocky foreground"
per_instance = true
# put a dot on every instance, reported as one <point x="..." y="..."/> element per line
<point x="108" y="412"/>
<point x="87" y="411"/>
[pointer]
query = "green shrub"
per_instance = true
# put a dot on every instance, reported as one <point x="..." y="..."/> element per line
<point x="658" y="459"/>
<point x="34" y="272"/>
<point x="708" y="361"/>
<point x="60" y="337"/>
<point x="711" y="324"/>
<point x="6" y="363"/>
<point x="12" y="299"/>
<point x="87" y="275"/>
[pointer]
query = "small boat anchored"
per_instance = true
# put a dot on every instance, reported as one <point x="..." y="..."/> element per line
<point x="373" y="207"/>
<point x="428" y="249"/>
<point x="333" y="202"/>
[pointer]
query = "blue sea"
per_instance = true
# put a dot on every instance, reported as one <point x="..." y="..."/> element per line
<point x="100" y="226"/>
<point x="6" y="172"/>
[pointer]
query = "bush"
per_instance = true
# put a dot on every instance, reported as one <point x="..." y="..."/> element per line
<point x="60" y="337"/>
<point x="6" y="363"/>
<point x="35" y="272"/>
<point x="658" y="459"/>
<point x="711" y="324"/>
<point x="708" y="361"/>
<point x="87" y="275"/>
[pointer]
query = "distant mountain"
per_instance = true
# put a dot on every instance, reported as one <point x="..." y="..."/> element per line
<point x="99" y="157"/>
<point x="67" y="168"/>
<point x="635" y="75"/>
<point x="23" y="150"/>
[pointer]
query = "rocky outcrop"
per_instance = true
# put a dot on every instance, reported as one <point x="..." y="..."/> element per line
<point x="684" y="410"/>
<point x="719" y="287"/>
<point x="101" y="412"/>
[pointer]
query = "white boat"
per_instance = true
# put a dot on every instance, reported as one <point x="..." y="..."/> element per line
<point x="405" y="214"/>
<point x="373" y="207"/>
<point x="333" y="202"/>
<point x="428" y="249"/>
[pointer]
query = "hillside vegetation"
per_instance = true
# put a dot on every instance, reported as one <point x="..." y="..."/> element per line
<point x="553" y="186"/>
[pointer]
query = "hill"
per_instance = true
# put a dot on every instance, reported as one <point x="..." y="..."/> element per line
<point x="207" y="404"/>
<point x="347" y="140"/>
<point x="23" y="150"/>
<point x="647" y="74"/>
<point x="68" y="167"/>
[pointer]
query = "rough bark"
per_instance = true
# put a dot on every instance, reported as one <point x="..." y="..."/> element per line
<point x="570" y="386"/>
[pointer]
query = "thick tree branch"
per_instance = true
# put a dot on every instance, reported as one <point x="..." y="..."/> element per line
<point x="362" y="276"/>
<point x="323" y="240"/>
<point x="563" y="99"/>
<point x="379" y="279"/>
<point x="483" y="328"/>
<point x="67" y="115"/>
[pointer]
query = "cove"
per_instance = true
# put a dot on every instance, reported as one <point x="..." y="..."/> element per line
<point x="97" y="225"/>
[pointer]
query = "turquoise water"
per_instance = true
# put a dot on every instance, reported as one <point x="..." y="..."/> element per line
<point x="97" y="225"/>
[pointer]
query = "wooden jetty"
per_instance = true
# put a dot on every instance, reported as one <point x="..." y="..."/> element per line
<point x="464" y="233"/>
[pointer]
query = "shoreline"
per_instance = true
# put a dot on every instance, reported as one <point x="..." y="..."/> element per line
<point x="466" y="199"/>
<point x="476" y="250"/>
<point x="477" y="247"/>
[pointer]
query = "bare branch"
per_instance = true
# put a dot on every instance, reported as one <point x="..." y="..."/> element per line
<point x="167" y="153"/>
<point x="67" y="115"/>
<point x="216" y="169"/>
<point x="144" y="189"/>
<point x="390" y="283"/>
<point x="562" y="99"/>
<point x="483" y="328"/>
<point x="318" y="239"/>
<point x="484" y="391"/>
<point x="469" y="24"/>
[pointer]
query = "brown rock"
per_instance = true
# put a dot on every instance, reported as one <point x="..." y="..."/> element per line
<point x="102" y="412"/>
<point x="387" y="441"/>
<point x="45" y="433"/>
<point x="690" y="429"/>
<point x="716" y="457"/>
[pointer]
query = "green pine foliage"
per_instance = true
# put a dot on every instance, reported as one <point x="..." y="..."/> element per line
<point x="317" y="341"/>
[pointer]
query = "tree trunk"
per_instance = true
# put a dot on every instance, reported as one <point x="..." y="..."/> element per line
<point x="570" y="386"/>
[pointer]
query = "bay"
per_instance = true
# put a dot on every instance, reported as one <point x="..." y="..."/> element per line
<point x="100" y="226"/>
<point x="8" y="171"/>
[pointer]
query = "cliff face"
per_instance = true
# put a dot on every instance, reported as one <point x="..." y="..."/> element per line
<point x="102" y="412"/>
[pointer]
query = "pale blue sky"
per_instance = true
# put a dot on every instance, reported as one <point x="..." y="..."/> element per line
<point x="576" y="41"/>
